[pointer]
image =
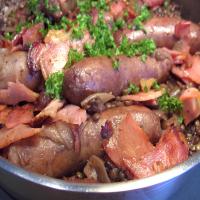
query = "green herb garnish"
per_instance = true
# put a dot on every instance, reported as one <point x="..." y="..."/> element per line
<point x="33" y="5"/>
<point x="180" y="119"/>
<point x="144" y="15"/>
<point x="115" y="63"/>
<point x="170" y="104"/>
<point x="8" y="36"/>
<point x="51" y="8"/>
<point x="119" y="24"/>
<point x="142" y="48"/>
<point x="54" y="85"/>
<point x="156" y="85"/>
<point x="133" y="89"/>
<point x="73" y="57"/>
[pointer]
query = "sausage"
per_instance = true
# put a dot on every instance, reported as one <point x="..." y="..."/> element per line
<point x="56" y="151"/>
<point x="13" y="67"/>
<point x="97" y="74"/>
<point x="162" y="31"/>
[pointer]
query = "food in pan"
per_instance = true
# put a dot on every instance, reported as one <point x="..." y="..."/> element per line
<point x="99" y="91"/>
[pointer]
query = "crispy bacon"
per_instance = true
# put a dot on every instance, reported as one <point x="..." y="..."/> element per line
<point x="153" y="3"/>
<point x="53" y="58"/>
<point x="190" y="73"/>
<point x="17" y="92"/>
<point x="4" y="112"/>
<point x="9" y="136"/>
<point x="182" y="30"/>
<point x="117" y="8"/>
<point x="171" y="150"/>
<point x="49" y="111"/>
<point x="57" y="36"/>
<point x="79" y="44"/>
<point x="128" y="141"/>
<point x="143" y="96"/>
<point x="180" y="56"/>
<point x="19" y="115"/>
<point x="28" y="36"/>
<point x="32" y="35"/>
<point x="49" y="58"/>
<point x="72" y="114"/>
<point x="191" y="104"/>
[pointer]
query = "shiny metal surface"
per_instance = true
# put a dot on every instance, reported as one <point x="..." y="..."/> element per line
<point x="29" y="186"/>
<point x="24" y="185"/>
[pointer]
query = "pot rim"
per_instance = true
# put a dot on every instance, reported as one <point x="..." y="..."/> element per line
<point x="57" y="184"/>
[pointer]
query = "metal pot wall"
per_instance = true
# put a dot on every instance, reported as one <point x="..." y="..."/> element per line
<point x="24" y="185"/>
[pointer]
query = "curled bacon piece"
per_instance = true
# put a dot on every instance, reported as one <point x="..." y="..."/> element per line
<point x="128" y="140"/>
<point x="191" y="104"/>
<point x="143" y="96"/>
<point x="153" y="3"/>
<point x="72" y="114"/>
<point x="9" y="136"/>
<point x="171" y="150"/>
<point x="17" y="92"/>
<point x="52" y="56"/>
<point x="30" y="35"/>
<point x="19" y="115"/>
<point x="117" y="8"/>
<point x="189" y="73"/>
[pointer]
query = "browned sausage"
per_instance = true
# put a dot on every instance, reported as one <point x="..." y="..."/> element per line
<point x="162" y="31"/>
<point x="54" y="151"/>
<point x="13" y="67"/>
<point x="97" y="74"/>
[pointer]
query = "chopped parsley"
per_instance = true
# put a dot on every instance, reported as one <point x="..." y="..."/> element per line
<point x="54" y="84"/>
<point x="33" y="5"/>
<point x="104" y="40"/>
<point x="170" y="104"/>
<point x="8" y="36"/>
<point x="180" y="119"/>
<point x="73" y="57"/>
<point x="156" y="85"/>
<point x="86" y="5"/>
<point x="142" y="48"/>
<point x="144" y="15"/>
<point x="118" y="24"/>
<point x="133" y="89"/>
<point x="51" y="8"/>
<point x="115" y="63"/>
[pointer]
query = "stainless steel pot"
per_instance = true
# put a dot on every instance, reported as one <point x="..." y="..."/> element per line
<point x="24" y="185"/>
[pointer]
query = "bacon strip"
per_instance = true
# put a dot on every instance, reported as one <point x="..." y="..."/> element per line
<point x="19" y="115"/>
<point x="128" y="141"/>
<point x="153" y="3"/>
<point x="4" y="112"/>
<point x="191" y="104"/>
<point x="53" y="58"/>
<point x="17" y="92"/>
<point x="28" y="36"/>
<point x="143" y="96"/>
<point x="171" y="150"/>
<point x="72" y="114"/>
<point x="49" y="111"/>
<point x="191" y="73"/>
<point x="9" y="136"/>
